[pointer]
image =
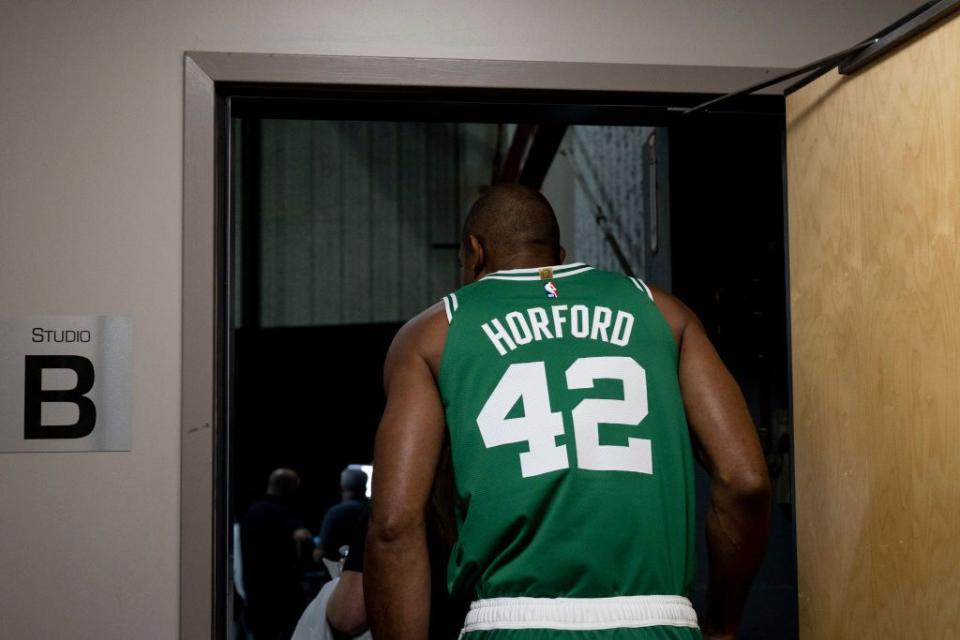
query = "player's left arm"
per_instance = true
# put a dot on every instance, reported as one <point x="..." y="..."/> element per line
<point x="409" y="440"/>
<point x="728" y="446"/>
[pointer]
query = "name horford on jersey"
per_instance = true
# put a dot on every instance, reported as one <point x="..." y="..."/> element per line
<point x="578" y="321"/>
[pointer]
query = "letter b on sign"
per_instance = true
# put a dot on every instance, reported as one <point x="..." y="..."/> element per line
<point x="35" y="395"/>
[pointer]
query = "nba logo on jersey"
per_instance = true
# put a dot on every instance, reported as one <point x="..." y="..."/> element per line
<point x="551" y="290"/>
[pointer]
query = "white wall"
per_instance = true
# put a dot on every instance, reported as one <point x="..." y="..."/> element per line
<point x="559" y="186"/>
<point x="90" y="196"/>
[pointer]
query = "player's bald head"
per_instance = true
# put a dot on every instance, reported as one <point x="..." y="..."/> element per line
<point x="513" y="219"/>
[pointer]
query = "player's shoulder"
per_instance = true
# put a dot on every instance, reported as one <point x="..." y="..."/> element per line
<point x="475" y="295"/>
<point x="423" y="326"/>
<point x="677" y="315"/>
<point x="421" y="337"/>
<point x="604" y="277"/>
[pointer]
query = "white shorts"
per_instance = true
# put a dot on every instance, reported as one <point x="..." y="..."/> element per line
<point x="580" y="614"/>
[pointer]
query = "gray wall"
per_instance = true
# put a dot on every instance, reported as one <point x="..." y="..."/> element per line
<point x="611" y="176"/>
<point x="90" y="222"/>
<point x="604" y="171"/>
<point x="351" y="212"/>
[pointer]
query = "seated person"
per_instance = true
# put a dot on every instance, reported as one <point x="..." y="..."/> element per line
<point x="341" y="520"/>
<point x="338" y="612"/>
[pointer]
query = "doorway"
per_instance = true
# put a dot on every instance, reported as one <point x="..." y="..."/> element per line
<point x="269" y="138"/>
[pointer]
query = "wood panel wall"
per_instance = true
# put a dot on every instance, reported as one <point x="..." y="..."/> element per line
<point x="874" y="224"/>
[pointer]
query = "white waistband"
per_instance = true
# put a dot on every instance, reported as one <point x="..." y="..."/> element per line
<point x="580" y="613"/>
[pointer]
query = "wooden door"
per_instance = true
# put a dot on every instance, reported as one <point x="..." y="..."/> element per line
<point x="874" y="226"/>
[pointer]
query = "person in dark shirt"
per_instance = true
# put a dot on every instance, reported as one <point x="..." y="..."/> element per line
<point x="340" y="521"/>
<point x="271" y="536"/>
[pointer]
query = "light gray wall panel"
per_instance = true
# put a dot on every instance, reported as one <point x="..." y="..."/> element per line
<point x="294" y="252"/>
<point x="610" y="172"/>
<point x="385" y="204"/>
<point x="559" y="186"/>
<point x="356" y="221"/>
<point x="271" y="299"/>
<point x="351" y="212"/>
<point x="326" y="297"/>
<point x="443" y="204"/>
<point x="413" y="218"/>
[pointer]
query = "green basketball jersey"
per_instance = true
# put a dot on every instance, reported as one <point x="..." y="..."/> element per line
<point x="572" y="461"/>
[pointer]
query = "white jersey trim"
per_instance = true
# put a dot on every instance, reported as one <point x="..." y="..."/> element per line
<point x="450" y="305"/>
<point x="536" y="270"/>
<point x="521" y="275"/>
<point x="446" y="307"/>
<point x="580" y="614"/>
<point x="640" y="284"/>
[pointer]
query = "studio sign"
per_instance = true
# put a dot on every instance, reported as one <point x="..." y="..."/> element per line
<point x="65" y="383"/>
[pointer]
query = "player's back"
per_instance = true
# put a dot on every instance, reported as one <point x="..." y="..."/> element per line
<point x="571" y="455"/>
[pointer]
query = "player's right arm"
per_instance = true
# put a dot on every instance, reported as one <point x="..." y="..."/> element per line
<point x="727" y="445"/>
<point x="409" y="440"/>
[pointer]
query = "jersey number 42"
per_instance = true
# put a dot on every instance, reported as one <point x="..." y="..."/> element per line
<point x="539" y="426"/>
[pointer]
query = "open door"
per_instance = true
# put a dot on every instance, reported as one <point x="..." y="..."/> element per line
<point x="874" y="224"/>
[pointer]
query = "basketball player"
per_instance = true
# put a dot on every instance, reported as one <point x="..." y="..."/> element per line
<point x="570" y="397"/>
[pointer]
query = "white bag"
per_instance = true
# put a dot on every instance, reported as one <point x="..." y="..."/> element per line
<point x="313" y="623"/>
